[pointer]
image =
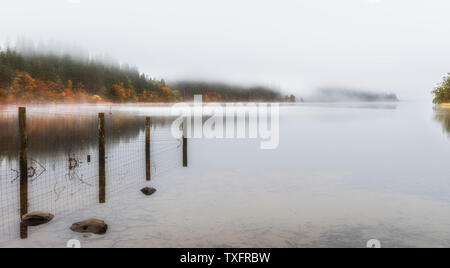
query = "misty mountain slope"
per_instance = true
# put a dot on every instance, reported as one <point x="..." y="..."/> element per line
<point x="350" y="95"/>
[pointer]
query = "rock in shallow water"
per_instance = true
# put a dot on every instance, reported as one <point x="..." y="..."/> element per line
<point x="36" y="218"/>
<point x="92" y="226"/>
<point x="148" y="190"/>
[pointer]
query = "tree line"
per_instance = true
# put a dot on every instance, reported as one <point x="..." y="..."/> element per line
<point x="39" y="78"/>
<point x="47" y="77"/>
<point x="222" y="92"/>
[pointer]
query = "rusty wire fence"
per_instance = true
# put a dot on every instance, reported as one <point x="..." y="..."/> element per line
<point x="63" y="160"/>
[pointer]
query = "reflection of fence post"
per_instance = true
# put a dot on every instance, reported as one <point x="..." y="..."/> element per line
<point x="101" y="158"/>
<point x="23" y="170"/>
<point x="185" y="160"/>
<point x="147" y="148"/>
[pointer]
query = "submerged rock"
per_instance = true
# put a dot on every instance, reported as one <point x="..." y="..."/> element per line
<point x="36" y="218"/>
<point x="92" y="226"/>
<point x="148" y="190"/>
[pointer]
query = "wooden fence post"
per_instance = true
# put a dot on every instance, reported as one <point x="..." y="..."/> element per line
<point x="101" y="158"/>
<point x="185" y="154"/>
<point x="147" y="148"/>
<point x="23" y="170"/>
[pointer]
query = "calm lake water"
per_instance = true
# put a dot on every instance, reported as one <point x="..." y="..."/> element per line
<point x="342" y="174"/>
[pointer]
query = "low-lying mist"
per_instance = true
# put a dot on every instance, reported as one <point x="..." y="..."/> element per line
<point x="350" y="95"/>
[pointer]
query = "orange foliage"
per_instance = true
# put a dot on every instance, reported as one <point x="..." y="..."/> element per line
<point x="26" y="89"/>
<point x="146" y="96"/>
<point x="212" y="97"/>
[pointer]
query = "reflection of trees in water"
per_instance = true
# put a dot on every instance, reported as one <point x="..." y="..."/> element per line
<point x="62" y="134"/>
<point x="442" y="115"/>
<point x="63" y="159"/>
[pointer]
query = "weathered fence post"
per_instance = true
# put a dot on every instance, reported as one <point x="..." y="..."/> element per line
<point x="23" y="170"/>
<point x="101" y="158"/>
<point x="147" y="148"/>
<point x="185" y="155"/>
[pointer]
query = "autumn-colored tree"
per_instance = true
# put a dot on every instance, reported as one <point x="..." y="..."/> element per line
<point x="117" y="92"/>
<point x="3" y="93"/>
<point x="442" y="92"/>
<point x="168" y="95"/>
<point x="95" y="98"/>
<point x="147" y="96"/>
<point x="212" y="97"/>
<point x="23" y="87"/>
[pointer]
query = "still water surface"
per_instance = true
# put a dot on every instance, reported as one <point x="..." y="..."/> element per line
<point x="343" y="174"/>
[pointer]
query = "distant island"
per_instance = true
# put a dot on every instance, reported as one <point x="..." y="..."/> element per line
<point x="350" y="95"/>
<point x="442" y="92"/>
<point x="52" y="78"/>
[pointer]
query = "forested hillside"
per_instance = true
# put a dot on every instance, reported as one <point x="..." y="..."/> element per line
<point x="40" y="78"/>
<point x="221" y="92"/>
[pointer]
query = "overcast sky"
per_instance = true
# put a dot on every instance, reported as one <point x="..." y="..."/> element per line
<point x="400" y="46"/>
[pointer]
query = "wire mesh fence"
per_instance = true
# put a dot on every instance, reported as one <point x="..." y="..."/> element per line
<point x="9" y="174"/>
<point x="63" y="160"/>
